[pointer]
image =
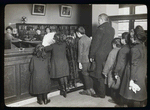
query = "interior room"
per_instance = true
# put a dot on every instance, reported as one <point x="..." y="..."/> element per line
<point x="65" y="18"/>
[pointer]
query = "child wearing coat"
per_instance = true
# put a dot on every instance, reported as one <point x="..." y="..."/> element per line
<point x="39" y="68"/>
<point x="110" y="63"/>
<point x="135" y="89"/>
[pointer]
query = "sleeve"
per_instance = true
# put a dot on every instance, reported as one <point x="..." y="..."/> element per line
<point x="135" y="54"/>
<point x="31" y="67"/>
<point x="48" y="48"/>
<point x="80" y="50"/>
<point x="120" y="63"/>
<point x="109" y="63"/>
<point x="95" y="42"/>
<point x="49" y="65"/>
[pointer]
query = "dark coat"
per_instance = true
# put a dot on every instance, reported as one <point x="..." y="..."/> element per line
<point x="109" y="66"/>
<point x="40" y="75"/>
<point x="83" y="49"/>
<point x="101" y="46"/>
<point x="138" y="74"/>
<point x="59" y="63"/>
<point x="122" y="60"/>
<point x="38" y="37"/>
<point x="72" y="56"/>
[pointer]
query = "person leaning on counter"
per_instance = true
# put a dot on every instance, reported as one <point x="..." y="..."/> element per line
<point x="9" y="37"/>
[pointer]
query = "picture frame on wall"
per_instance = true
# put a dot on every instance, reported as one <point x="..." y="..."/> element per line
<point x="66" y="11"/>
<point x="39" y="9"/>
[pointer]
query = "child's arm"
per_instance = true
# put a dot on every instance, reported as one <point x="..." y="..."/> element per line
<point x="31" y="67"/>
<point x="49" y="65"/>
<point x="120" y="63"/>
<point x="109" y="63"/>
<point x="48" y="48"/>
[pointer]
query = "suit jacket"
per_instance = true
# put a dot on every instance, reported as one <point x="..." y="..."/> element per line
<point x="83" y="48"/>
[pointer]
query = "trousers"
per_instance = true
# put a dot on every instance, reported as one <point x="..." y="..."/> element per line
<point x="86" y="77"/>
<point x="98" y="85"/>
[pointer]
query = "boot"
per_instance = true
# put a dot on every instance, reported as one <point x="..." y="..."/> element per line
<point x="64" y="93"/>
<point x="45" y="100"/>
<point x="67" y="88"/>
<point x="74" y="83"/>
<point x="39" y="99"/>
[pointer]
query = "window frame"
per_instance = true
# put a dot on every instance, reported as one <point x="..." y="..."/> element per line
<point x="131" y="17"/>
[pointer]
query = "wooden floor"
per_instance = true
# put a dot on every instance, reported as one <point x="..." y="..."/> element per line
<point x="74" y="99"/>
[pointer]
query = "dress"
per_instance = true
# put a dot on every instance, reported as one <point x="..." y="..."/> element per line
<point x="40" y="75"/>
<point x="138" y="72"/>
<point x="59" y="63"/>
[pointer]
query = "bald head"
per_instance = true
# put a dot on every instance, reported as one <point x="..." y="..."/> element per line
<point x="102" y="18"/>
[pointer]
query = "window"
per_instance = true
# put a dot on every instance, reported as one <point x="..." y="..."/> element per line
<point x="123" y="26"/>
<point x="124" y="11"/>
<point x="130" y="15"/>
<point x="141" y="9"/>
<point x="142" y="22"/>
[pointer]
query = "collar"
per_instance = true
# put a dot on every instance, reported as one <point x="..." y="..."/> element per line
<point x="104" y="24"/>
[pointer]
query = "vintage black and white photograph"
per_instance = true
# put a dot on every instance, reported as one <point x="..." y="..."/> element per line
<point x="93" y="55"/>
<point x="38" y="9"/>
<point x="66" y="11"/>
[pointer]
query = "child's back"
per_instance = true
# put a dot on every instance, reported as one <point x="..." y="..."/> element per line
<point x="40" y="76"/>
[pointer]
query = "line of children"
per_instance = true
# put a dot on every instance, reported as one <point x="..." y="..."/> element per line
<point x="125" y="69"/>
<point x="129" y="65"/>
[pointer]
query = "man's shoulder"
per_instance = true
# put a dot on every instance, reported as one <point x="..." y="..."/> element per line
<point x="85" y="37"/>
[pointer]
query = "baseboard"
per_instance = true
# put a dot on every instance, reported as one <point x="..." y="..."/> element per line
<point x="31" y="100"/>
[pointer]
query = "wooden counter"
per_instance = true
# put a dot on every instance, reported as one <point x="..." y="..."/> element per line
<point x="17" y="76"/>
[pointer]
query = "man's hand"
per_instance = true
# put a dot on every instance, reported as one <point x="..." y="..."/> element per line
<point x="116" y="76"/>
<point x="91" y="59"/>
<point x="80" y="66"/>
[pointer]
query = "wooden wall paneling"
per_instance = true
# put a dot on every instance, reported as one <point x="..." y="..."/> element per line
<point x="10" y="86"/>
<point x="24" y="77"/>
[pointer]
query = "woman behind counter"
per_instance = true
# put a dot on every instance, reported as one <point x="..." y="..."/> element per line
<point x="38" y="36"/>
<point x="9" y="37"/>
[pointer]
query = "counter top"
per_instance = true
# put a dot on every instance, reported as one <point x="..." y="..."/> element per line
<point x="16" y="52"/>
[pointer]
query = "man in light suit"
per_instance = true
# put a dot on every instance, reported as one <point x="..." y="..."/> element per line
<point x="83" y="54"/>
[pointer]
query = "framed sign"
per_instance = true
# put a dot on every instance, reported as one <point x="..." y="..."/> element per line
<point x="66" y="11"/>
<point x="38" y="9"/>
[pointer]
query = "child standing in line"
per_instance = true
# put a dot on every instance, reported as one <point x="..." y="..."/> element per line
<point x="110" y="63"/>
<point x="39" y="68"/>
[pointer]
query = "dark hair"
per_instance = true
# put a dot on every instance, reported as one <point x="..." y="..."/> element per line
<point x="117" y="41"/>
<point x="9" y="27"/>
<point x="140" y="33"/>
<point x="38" y="29"/>
<point x="59" y="37"/>
<point x="104" y="17"/>
<point x="39" y="51"/>
<point x="81" y="30"/>
<point x="126" y="36"/>
<point x="46" y="28"/>
<point x="69" y="41"/>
